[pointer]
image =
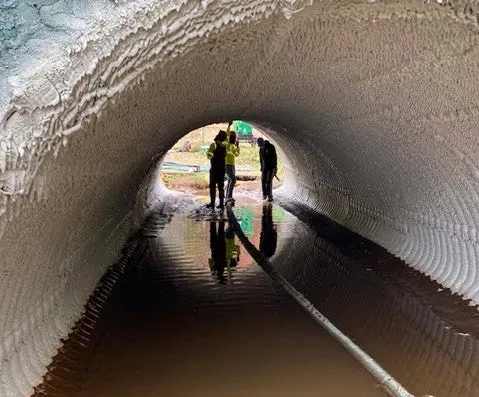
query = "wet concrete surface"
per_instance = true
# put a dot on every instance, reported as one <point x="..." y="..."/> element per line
<point x="194" y="315"/>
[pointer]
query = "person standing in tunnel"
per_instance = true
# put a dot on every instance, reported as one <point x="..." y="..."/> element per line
<point x="217" y="261"/>
<point x="269" y="236"/>
<point x="217" y="156"/>
<point x="232" y="151"/>
<point x="269" y="165"/>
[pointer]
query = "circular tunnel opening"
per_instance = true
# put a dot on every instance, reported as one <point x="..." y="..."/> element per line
<point x="185" y="168"/>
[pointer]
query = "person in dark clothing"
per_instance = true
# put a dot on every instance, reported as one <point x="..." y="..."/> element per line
<point x="269" y="165"/>
<point x="217" y="155"/>
<point x="218" y="250"/>
<point x="269" y="236"/>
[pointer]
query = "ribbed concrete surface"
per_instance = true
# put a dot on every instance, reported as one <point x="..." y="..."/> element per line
<point x="374" y="104"/>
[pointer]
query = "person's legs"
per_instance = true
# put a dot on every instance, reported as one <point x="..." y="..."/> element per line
<point x="229" y="181"/>
<point x="230" y="174"/>
<point x="221" y="232"/>
<point x="212" y="189"/>
<point x="213" y="237"/>
<point x="221" y="251"/>
<point x="269" y="184"/>
<point x="221" y="188"/>
<point x="213" y="242"/>
<point x="263" y="183"/>
<point x="233" y="181"/>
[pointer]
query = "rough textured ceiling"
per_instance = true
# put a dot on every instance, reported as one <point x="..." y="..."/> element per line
<point x="375" y="105"/>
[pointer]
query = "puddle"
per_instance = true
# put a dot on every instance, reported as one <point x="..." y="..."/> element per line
<point x="195" y="315"/>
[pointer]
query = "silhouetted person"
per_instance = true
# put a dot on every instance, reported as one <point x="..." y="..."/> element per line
<point x="269" y="235"/>
<point x="269" y="165"/>
<point x="217" y="155"/>
<point x="218" y="250"/>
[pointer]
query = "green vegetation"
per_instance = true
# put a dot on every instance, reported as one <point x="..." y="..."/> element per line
<point x="183" y="182"/>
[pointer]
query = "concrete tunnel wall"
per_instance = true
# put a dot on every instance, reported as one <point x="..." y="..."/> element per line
<point x="374" y="103"/>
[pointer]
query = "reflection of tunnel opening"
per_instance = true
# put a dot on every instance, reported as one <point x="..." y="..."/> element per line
<point x="373" y="107"/>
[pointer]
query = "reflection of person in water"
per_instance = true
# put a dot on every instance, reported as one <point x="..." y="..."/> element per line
<point x="232" y="250"/>
<point x="269" y="235"/>
<point x="218" y="250"/>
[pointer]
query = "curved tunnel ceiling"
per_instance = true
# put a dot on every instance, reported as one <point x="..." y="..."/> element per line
<point x="375" y="104"/>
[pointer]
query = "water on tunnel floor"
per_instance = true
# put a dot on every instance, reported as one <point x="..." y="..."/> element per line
<point x="194" y="315"/>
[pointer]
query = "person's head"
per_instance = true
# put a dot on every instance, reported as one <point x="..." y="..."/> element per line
<point x="232" y="137"/>
<point x="221" y="137"/>
<point x="260" y="142"/>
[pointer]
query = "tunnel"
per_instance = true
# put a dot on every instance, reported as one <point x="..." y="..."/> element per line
<point x="373" y="104"/>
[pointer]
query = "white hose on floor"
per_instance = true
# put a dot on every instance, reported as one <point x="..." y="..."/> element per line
<point x="391" y="385"/>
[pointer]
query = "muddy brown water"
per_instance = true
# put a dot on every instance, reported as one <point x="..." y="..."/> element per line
<point x="194" y="315"/>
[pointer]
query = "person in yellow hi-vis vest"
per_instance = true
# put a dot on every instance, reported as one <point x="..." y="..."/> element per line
<point x="232" y="151"/>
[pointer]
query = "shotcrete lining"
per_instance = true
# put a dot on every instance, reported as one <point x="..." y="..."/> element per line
<point x="372" y="104"/>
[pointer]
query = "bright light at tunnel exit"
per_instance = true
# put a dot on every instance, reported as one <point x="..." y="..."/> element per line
<point x="185" y="168"/>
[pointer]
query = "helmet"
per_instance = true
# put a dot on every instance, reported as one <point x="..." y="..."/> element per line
<point x="260" y="142"/>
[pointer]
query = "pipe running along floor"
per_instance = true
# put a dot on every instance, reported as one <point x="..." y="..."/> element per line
<point x="194" y="315"/>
